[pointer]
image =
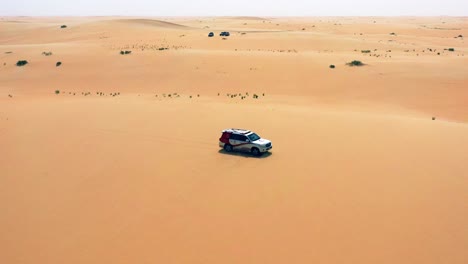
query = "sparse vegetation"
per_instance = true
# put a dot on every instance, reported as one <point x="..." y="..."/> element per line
<point x="125" y="52"/>
<point x="332" y="66"/>
<point x="451" y="49"/>
<point x="57" y="91"/>
<point x="48" y="53"/>
<point x="58" y="64"/>
<point x="393" y="34"/>
<point x="21" y="63"/>
<point x="365" y="51"/>
<point x="63" y="26"/>
<point x="355" y="63"/>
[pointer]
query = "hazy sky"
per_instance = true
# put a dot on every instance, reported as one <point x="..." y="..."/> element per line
<point x="234" y="7"/>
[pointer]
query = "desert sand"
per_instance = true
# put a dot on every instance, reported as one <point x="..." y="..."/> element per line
<point x="122" y="165"/>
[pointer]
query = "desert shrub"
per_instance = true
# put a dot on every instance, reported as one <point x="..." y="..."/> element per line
<point x="58" y="64"/>
<point x="57" y="91"/>
<point x="355" y="63"/>
<point x="332" y="66"/>
<point x="63" y="26"/>
<point x="451" y="49"/>
<point x="21" y="63"/>
<point x="365" y="51"/>
<point x="393" y="34"/>
<point x="460" y="36"/>
<point x="125" y="52"/>
<point x="48" y="53"/>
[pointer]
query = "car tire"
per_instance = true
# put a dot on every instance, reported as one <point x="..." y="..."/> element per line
<point x="255" y="152"/>
<point x="227" y="147"/>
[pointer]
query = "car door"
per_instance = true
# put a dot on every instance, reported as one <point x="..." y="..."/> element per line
<point x="234" y="140"/>
<point x="244" y="143"/>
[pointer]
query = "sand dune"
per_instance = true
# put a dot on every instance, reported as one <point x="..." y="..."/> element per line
<point x="122" y="165"/>
<point x="247" y="18"/>
<point x="151" y="22"/>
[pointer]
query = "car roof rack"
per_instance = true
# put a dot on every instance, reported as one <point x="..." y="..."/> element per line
<point x="237" y="130"/>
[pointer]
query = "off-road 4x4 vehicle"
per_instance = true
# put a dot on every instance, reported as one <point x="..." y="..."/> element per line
<point x="243" y="140"/>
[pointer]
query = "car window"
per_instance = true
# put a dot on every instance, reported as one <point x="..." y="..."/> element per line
<point x="234" y="137"/>
<point x="254" y="137"/>
<point x="242" y="138"/>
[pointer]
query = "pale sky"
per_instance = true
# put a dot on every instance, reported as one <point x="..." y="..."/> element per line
<point x="234" y="8"/>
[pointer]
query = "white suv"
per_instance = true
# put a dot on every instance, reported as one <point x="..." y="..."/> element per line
<point x="243" y="140"/>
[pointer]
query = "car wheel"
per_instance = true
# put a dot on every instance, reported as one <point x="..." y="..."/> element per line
<point x="255" y="152"/>
<point x="227" y="147"/>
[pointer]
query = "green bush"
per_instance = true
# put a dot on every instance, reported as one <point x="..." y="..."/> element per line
<point x="58" y="64"/>
<point x="57" y="91"/>
<point x="332" y="66"/>
<point x="355" y="63"/>
<point x="451" y="49"/>
<point x="125" y="52"/>
<point x="365" y="51"/>
<point x="63" y="26"/>
<point x="21" y="63"/>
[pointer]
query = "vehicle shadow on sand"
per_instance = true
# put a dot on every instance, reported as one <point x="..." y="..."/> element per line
<point x="245" y="154"/>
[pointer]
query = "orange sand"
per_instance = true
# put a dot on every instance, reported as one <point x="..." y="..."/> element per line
<point x="359" y="171"/>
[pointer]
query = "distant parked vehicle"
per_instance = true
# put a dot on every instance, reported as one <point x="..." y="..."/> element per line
<point x="224" y="34"/>
<point x="211" y="35"/>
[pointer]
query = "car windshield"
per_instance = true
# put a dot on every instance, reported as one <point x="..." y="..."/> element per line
<point x="253" y="137"/>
